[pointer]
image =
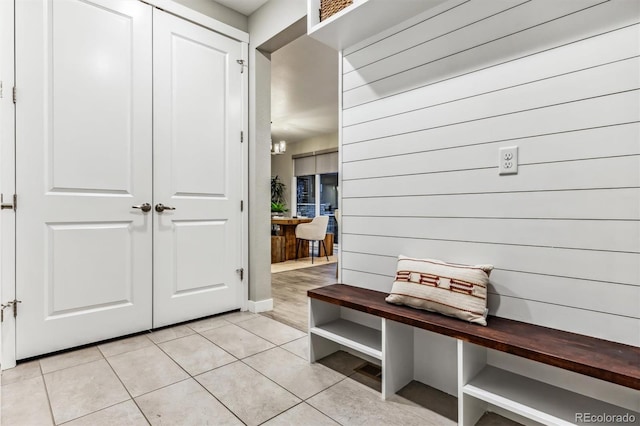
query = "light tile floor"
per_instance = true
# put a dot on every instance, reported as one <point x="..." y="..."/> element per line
<point x="234" y="369"/>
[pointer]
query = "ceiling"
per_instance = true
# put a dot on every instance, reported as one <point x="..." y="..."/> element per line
<point x="304" y="84"/>
<point x="304" y="90"/>
<point x="246" y="7"/>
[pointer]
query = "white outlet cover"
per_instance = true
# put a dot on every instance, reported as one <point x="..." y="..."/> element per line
<point x="508" y="160"/>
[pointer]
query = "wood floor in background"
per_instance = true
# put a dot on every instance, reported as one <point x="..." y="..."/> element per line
<point x="289" y="292"/>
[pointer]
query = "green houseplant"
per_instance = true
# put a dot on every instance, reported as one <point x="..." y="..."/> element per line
<point x="278" y="200"/>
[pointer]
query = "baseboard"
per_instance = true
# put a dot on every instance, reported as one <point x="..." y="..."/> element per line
<point x="260" y="305"/>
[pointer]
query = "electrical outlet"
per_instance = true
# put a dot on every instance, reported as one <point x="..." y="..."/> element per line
<point x="508" y="162"/>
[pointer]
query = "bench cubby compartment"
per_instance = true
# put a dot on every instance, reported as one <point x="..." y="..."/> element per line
<point x="522" y="371"/>
<point x="403" y="352"/>
<point x="332" y="327"/>
<point x="486" y="387"/>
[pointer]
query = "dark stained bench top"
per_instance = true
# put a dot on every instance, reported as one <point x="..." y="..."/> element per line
<point x="602" y="359"/>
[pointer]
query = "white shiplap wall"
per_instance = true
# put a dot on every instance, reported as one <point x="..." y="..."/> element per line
<point x="427" y="106"/>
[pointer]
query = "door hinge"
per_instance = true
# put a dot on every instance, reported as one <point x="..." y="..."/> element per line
<point x="241" y="205"/>
<point x="240" y="272"/>
<point x="241" y="136"/>
<point x="14" y="94"/>
<point x="4" y="205"/>
<point x="13" y="303"/>
<point x="1" y="92"/>
<point x="242" y="65"/>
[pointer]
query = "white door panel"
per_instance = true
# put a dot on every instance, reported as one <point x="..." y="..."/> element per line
<point x="197" y="164"/>
<point x="83" y="158"/>
<point x="94" y="138"/>
<point x="91" y="60"/>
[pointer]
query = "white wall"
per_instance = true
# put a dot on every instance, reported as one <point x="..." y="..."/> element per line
<point x="259" y="192"/>
<point x="265" y="23"/>
<point x="274" y="17"/>
<point x="282" y="164"/>
<point x="219" y="12"/>
<point x="426" y="108"/>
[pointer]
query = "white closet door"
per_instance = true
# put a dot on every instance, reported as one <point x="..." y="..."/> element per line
<point x="197" y="171"/>
<point x="83" y="159"/>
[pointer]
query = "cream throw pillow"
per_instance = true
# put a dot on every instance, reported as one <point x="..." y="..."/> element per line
<point x="456" y="290"/>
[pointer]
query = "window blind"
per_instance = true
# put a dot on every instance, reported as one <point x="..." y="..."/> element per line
<point x="316" y="164"/>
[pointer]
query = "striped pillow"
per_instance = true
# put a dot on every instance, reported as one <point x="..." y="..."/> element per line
<point x="456" y="290"/>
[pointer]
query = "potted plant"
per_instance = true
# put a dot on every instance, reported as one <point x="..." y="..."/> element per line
<point x="278" y="208"/>
<point x="278" y="200"/>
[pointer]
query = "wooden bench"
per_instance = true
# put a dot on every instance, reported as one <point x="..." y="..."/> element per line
<point x="479" y="384"/>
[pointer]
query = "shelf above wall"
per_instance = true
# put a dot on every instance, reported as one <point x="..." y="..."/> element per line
<point x="361" y="20"/>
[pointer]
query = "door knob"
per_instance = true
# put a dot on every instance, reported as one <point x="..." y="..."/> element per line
<point x="161" y="207"/>
<point x="146" y="207"/>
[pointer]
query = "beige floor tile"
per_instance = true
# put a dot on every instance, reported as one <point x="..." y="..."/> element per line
<point x="125" y="413"/>
<point x="273" y="331"/>
<point x="368" y="381"/>
<point x="23" y="371"/>
<point x="237" y="341"/>
<point x="70" y="359"/>
<point x="298" y="347"/>
<point x="121" y="346"/>
<point x="170" y="333"/>
<point x="250" y="395"/>
<point x="431" y="398"/>
<point x="493" y="419"/>
<point x="185" y="403"/>
<point x="83" y="389"/>
<point x="196" y="354"/>
<point x="294" y="373"/>
<point x="146" y="370"/>
<point x="236" y="317"/>
<point x="301" y="414"/>
<point x="342" y="362"/>
<point x="207" y="324"/>
<point x="351" y="403"/>
<point x="25" y="403"/>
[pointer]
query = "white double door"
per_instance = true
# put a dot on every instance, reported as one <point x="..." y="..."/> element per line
<point x="121" y="106"/>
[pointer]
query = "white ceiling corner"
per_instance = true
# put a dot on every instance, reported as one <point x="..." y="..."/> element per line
<point x="246" y="7"/>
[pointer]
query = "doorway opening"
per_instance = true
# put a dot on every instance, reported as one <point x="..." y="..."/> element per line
<point x="304" y="121"/>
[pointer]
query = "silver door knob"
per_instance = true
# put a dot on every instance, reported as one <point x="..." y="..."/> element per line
<point x="161" y="207"/>
<point x="146" y="207"/>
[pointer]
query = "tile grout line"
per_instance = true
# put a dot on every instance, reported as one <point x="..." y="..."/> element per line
<point x="183" y="368"/>
<point x="92" y="412"/>
<point x="102" y="356"/>
<point x="273" y="381"/>
<point x="174" y="338"/>
<point x="192" y="377"/>
<point x="273" y="343"/>
<point x="214" y="397"/>
<point x="97" y="411"/>
<point x="71" y="366"/>
<point x="46" y="392"/>
<point x="126" y="390"/>
<point x="316" y="408"/>
<point x="285" y="411"/>
<point x="302" y="400"/>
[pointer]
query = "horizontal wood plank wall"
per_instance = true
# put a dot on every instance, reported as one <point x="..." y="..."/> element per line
<point x="427" y="105"/>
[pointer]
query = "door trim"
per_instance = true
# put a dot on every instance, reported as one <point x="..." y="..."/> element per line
<point x="244" y="96"/>
<point x="7" y="182"/>
<point x="198" y="18"/>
